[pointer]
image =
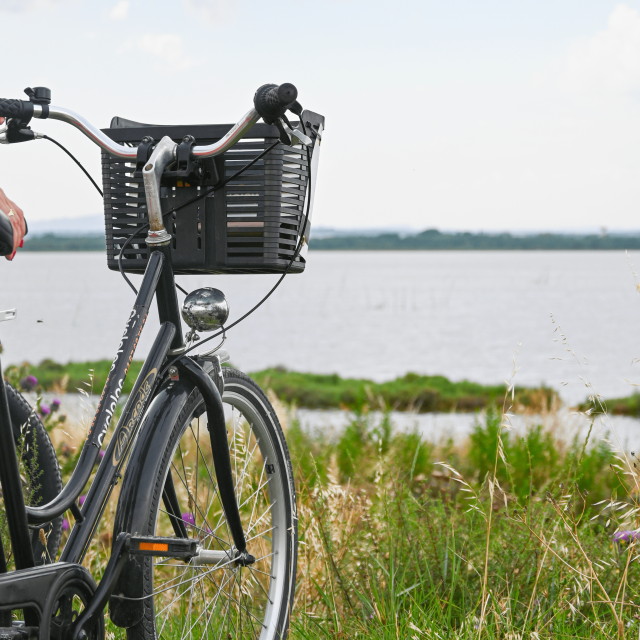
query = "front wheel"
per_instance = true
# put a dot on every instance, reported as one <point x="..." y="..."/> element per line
<point x="216" y="599"/>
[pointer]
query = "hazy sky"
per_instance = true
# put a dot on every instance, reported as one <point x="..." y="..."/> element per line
<point x="451" y="114"/>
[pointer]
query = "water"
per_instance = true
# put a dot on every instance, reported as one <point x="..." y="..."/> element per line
<point x="621" y="431"/>
<point x="367" y="314"/>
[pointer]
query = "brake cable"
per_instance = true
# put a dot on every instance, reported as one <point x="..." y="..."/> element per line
<point x="299" y="246"/>
<point x="275" y="286"/>
<point x="86" y="173"/>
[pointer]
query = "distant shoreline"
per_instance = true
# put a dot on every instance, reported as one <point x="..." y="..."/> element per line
<point x="434" y="240"/>
<point x="429" y="240"/>
<point x="411" y="392"/>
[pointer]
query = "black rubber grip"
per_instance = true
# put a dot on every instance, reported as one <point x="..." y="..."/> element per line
<point x="271" y="101"/>
<point x="19" y="109"/>
<point x="6" y="235"/>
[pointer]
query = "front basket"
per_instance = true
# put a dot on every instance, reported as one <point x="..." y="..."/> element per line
<point x="251" y="225"/>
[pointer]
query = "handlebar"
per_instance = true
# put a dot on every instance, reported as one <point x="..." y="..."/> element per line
<point x="271" y="101"/>
<point x="9" y="107"/>
<point x="6" y="235"/>
<point x="22" y="109"/>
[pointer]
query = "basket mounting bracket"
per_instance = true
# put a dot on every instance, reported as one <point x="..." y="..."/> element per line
<point x="145" y="149"/>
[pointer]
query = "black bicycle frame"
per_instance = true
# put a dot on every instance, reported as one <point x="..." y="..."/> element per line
<point x="158" y="279"/>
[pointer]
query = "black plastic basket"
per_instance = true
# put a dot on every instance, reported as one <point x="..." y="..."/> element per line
<point x="251" y="225"/>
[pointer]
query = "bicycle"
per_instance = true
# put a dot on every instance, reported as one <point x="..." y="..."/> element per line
<point x="205" y="532"/>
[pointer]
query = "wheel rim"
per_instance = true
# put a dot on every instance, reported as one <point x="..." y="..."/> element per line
<point x="221" y="600"/>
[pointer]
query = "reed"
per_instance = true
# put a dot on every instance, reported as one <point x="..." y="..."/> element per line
<point x="502" y="534"/>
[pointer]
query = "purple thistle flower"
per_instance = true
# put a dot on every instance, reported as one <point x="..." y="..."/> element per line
<point x="29" y="383"/>
<point x="55" y="404"/>
<point x="65" y="525"/>
<point x="45" y="410"/>
<point x="189" y="519"/>
<point x="101" y="454"/>
<point x="81" y="500"/>
<point x="623" y="537"/>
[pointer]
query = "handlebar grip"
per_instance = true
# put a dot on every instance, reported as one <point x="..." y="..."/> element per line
<point x="19" y="109"/>
<point x="6" y="235"/>
<point x="271" y="101"/>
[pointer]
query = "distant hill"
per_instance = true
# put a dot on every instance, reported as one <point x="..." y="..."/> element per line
<point x="429" y="240"/>
<point x="82" y="226"/>
<point x="51" y="242"/>
<point x="435" y="240"/>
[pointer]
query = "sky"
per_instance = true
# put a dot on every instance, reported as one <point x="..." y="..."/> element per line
<point x="493" y="115"/>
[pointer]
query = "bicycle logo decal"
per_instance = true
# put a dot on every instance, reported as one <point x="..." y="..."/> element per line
<point x="128" y="429"/>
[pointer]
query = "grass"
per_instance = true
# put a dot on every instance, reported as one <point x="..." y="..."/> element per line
<point x="74" y="376"/>
<point x="500" y="535"/>
<point x="411" y="392"/>
<point x="628" y="406"/>
<point x="503" y="535"/>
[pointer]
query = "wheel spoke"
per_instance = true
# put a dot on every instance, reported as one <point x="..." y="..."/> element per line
<point x="193" y="502"/>
<point x="260" y="518"/>
<point x="215" y="490"/>
<point x="261" y="534"/>
<point x="223" y="600"/>
<point x="248" y="458"/>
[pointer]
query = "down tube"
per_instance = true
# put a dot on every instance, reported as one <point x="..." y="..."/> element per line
<point x="117" y="452"/>
<point x="108" y="399"/>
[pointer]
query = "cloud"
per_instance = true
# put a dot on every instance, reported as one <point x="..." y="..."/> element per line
<point x="213" y="11"/>
<point x="120" y="11"/>
<point x="608" y="62"/>
<point x="167" y="47"/>
<point x="24" y="6"/>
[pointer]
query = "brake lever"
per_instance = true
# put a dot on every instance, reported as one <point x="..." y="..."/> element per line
<point x="296" y="136"/>
<point x="285" y="138"/>
<point x="12" y="132"/>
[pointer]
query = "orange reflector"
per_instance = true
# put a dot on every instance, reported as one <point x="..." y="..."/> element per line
<point x="153" y="546"/>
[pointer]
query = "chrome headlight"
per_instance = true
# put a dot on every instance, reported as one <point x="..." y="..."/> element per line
<point x="205" y="309"/>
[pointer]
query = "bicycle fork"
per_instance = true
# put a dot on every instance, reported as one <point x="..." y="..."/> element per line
<point x="221" y="457"/>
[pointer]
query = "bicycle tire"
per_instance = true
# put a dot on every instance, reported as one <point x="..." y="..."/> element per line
<point x="38" y="454"/>
<point x="270" y="583"/>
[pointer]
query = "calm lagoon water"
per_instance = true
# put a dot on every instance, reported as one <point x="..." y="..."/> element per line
<point x="368" y="314"/>
<point x="621" y="431"/>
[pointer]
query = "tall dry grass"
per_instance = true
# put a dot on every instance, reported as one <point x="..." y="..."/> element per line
<point x="504" y="534"/>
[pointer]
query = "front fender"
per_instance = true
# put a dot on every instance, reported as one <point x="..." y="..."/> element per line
<point x="137" y="506"/>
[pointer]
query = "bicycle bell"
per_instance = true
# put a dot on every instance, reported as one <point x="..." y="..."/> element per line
<point x="205" y="309"/>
